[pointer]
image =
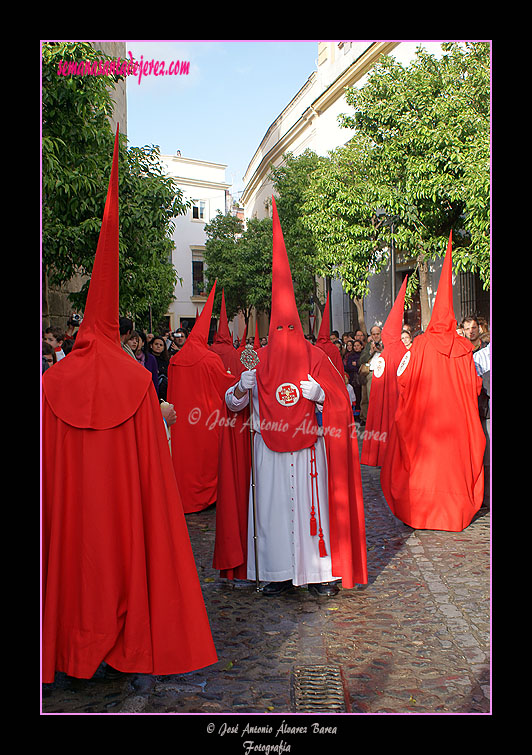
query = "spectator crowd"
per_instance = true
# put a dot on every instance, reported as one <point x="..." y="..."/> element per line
<point x="358" y="351"/>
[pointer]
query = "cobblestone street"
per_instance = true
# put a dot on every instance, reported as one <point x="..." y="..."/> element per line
<point x="415" y="639"/>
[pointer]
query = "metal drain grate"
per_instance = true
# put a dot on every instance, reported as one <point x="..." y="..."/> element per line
<point x="318" y="688"/>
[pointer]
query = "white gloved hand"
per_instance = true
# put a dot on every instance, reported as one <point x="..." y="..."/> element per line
<point x="312" y="390"/>
<point x="247" y="380"/>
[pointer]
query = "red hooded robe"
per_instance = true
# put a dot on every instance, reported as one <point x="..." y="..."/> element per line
<point x="432" y="476"/>
<point x="284" y="362"/>
<point x="197" y="382"/>
<point x="120" y="583"/>
<point x="384" y="391"/>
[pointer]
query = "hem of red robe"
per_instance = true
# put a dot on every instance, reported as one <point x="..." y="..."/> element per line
<point x="128" y="661"/>
<point x="456" y="519"/>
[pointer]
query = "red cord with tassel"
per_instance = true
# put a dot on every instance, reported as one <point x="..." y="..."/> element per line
<point x="313" y="524"/>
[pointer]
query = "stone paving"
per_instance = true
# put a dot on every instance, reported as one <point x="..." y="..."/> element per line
<point x="414" y="640"/>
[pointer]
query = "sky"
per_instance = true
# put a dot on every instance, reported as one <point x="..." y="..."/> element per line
<point x="221" y="109"/>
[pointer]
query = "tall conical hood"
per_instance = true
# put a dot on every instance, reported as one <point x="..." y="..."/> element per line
<point x="286" y="361"/>
<point x="98" y="385"/>
<point x="324" y="334"/>
<point x="441" y="329"/>
<point x="223" y="334"/>
<point x="223" y="344"/>
<point x="197" y="342"/>
<point x="324" y="342"/>
<point x="284" y="312"/>
<point x="391" y="331"/>
<point x="100" y="317"/>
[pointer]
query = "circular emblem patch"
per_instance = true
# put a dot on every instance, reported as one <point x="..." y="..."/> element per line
<point x="287" y="394"/>
<point x="380" y="364"/>
<point x="403" y="364"/>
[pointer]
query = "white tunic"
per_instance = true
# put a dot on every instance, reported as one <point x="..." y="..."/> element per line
<point x="283" y="495"/>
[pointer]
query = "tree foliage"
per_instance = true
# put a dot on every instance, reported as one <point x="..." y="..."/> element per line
<point x="241" y="263"/>
<point x="417" y="166"/>
<point x="241" y="258"/>
<point x="77" y="146"/>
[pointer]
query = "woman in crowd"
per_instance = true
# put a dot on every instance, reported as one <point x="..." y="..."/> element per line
<point x="137" y="344"/>
<point x="406" y="338"/>
<point x="351" y="361"/>
<point x="159" y="351"/>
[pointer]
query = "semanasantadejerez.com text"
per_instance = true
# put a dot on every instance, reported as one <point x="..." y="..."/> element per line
<point x="119" y="67"/>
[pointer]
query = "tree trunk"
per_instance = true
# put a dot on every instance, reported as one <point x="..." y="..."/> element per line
<point x="317" y="301"/>
<point x="359" y="304"/>
<point x="422" y="267"/>
<point x="45" y="304"/>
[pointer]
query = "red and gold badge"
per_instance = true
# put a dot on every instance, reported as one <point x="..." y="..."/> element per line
<point x="287" y="394"/>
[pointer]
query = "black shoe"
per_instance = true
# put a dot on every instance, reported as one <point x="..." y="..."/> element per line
<point x="323" y="589"/>
<point x="276" y="588"/>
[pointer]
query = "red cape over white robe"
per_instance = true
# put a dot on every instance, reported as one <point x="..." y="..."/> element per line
<point x="120" y="583"/>
<point x="432" y="476"/>
<point x="287" y="360"/>
<point x="346" y="510"/>
<point x="384" y="390"/>
<point x="197" y="382"/>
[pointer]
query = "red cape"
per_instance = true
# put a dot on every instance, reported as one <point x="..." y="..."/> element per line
<point x="120" y="583"/>
<point x="233" y="475"/>
<point x="433" y="476"/>
<point x="384" y="391"/>
<point x="346" y="508"/>
<point x="234" y="472"/>
<point x="197" y="393"/>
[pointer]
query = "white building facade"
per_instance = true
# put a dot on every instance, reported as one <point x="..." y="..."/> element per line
<point x="203" y="184"/>
<point x="310" y="121"/>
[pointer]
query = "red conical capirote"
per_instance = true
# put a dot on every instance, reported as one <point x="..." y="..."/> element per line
<point x="98" y="385"/>
<point x="324" y="342"/>
<point x="101" y="309"/>
<point x="223" y="334"/>
<point x="197" y="342"/>
<point x="391" y="331"/>
<point x="441" y="330"/>
<point x="284" y="311"/>
<point x="286" y="361"/>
